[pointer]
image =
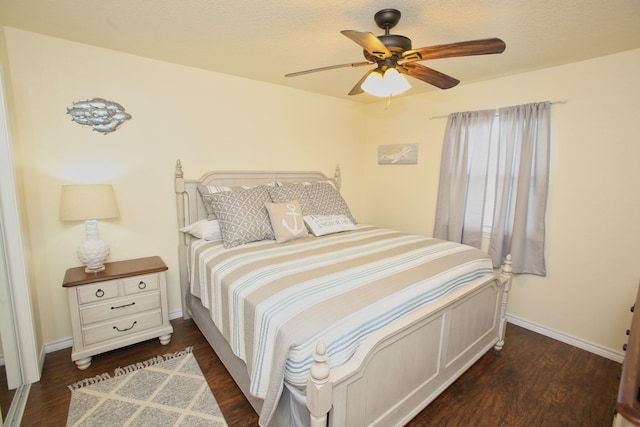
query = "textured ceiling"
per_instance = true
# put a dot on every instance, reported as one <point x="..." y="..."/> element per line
<point x="264" y="40"/>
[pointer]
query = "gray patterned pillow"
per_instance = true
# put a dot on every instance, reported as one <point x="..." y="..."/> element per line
<point x="242" y="214"/>
<point x="289" y="192"/>
<point x="205" y="190"/>
<point x="324" y="199"/>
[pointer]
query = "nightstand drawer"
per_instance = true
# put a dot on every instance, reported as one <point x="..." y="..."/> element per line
<point x="121" y="327"/>
<point x="139" y="284"/>
<point x="120" y="307"/>
<point x="98" y="292"/>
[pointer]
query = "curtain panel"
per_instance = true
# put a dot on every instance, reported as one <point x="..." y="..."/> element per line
<point x="463" y="177"/>
<point x="521" y="183"/>
<point x="521" y="188"/>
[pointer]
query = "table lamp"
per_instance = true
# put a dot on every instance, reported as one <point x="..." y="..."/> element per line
<point x="89" y="203"/>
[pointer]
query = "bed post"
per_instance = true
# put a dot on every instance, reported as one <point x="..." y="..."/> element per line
<point x="319" y="387"/>
<point x="337" y="178"/>
<point x="182" y="242"/>
<point x="505" y="280"/>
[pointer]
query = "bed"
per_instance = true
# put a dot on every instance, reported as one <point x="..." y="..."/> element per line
<point x="356" y="326"/>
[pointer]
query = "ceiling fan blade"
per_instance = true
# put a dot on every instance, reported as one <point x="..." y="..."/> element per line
<point x="330" y="67"/>
<point x="357" y="89"/>
<point x="433" y="77"/>
<point x="452" y="50"/>
<point x="369" y="42"/>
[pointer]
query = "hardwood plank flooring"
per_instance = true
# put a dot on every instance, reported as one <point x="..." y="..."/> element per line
<point x="6" y="395"/>
<point x="533" y="381"/>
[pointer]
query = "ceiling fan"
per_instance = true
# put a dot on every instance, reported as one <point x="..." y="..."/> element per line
<point x="393" y="52"/>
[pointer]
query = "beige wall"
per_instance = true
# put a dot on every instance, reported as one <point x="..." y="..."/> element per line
<point x="593" y="211"/>
<point x="208" y="120"/>
<point x="214" y="121"/>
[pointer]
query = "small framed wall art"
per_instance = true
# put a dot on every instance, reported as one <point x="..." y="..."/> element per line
<point x="398" y="154"/>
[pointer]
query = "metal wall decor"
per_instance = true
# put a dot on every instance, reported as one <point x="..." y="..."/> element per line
<point x="104" y="116"/>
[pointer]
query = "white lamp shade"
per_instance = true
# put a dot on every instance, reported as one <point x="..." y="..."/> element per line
<point x="90" y="201"/>
<point x="391" y="83"/>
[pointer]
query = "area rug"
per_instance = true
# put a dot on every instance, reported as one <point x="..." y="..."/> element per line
<point x="167" y="390"/>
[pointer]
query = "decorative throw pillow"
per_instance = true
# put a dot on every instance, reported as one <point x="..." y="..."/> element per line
<point x="204" y="229"/>
<point x="242" y="214"/>
<point x="289" y="192"/>
<point x="327" y="224"/>
<point x="286" y="221"/>
<point x="324" y="199"/>
<point x="205" y="190"/>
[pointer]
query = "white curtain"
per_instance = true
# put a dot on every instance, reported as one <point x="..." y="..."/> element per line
<point x="521" y="188"/>
<point x="463" y="177"/>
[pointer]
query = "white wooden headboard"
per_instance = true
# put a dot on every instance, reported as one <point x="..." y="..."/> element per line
<point x="191" y="208"/>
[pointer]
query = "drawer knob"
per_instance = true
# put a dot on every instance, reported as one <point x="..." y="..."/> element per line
<point x="142" y="285"/>
<point x="99" y="293"/>
<point x="123" y="305"/>
<point x="624" y="347"/>
<point x="126" y="329"/>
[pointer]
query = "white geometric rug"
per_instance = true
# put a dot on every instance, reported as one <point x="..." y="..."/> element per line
<point x="167" y="390"/>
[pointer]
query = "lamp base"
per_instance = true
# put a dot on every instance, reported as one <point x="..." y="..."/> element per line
<point x="94" y="270"/>
<point x="93" y="252"/>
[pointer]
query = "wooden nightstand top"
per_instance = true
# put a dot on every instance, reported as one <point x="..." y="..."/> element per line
<point x="114" y="270"/>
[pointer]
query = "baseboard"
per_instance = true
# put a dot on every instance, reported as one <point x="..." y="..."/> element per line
<point x="567" y="339"/>
<point x="175" y="315"/>
<point x="68" y="342"/>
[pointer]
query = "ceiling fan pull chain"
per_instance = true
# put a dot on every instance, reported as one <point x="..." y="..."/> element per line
<point x="388" y="103"/>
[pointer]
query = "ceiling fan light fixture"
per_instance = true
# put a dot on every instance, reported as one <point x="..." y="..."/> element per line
<point x="396" y="82"/>
<point x="391" y="83"/>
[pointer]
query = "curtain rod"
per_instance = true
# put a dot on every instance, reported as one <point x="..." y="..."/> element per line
<point x="560" y="101"/>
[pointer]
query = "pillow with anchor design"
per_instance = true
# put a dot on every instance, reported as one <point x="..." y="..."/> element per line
<point x="286" y="221"/>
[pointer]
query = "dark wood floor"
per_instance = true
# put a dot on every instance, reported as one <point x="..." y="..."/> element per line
<point x="533" y="381"/>
<point x="6" y="396"/>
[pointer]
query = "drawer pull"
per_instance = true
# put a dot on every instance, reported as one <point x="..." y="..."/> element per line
<point x="142" y="285"/>
<point x="123" y="306"/>
<point x="99" y="293"/>
<point x="126" y="329"/>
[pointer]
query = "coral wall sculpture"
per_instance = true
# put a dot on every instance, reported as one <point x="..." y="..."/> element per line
<point x="104" y="116"/>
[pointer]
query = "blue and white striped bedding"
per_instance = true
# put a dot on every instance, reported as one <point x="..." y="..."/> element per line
<point x="273" y="302"/>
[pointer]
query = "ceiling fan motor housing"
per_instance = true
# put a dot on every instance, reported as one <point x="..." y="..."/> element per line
<point x="387" y="19"/>
<point x="395" y="43"/>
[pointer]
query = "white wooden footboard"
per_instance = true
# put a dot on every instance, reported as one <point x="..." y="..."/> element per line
<point x="399" y="370"/>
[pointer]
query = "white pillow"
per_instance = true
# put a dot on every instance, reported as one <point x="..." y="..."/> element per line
<point x="320" y="225"/>
<point x="204" y="229"/>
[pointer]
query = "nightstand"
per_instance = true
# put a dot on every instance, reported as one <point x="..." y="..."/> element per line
<point x="122" y="305"/>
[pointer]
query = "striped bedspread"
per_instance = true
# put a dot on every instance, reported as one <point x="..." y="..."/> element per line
<point x="273" y="302"/>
